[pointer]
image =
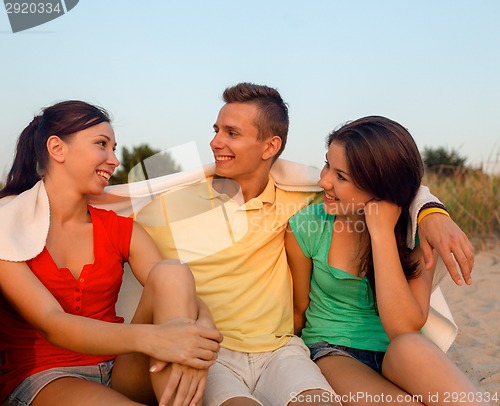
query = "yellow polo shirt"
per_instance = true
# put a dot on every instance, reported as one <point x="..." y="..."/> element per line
<point x="237" y="255"/>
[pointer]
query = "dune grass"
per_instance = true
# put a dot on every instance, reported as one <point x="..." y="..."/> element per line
<point x="473" y="200"/>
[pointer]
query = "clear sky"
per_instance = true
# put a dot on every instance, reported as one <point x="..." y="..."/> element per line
<point x="160" y="66"/>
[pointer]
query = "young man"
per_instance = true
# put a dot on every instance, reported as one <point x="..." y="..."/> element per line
<point x="230" y="230"/>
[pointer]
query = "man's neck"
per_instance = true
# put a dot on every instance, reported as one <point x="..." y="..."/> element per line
<point x="241" y="190"/>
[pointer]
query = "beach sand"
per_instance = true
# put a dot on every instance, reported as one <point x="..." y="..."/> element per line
<point x="476" y="310"/>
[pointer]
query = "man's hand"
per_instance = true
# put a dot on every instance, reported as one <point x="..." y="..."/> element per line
<point x="440" y="232"/>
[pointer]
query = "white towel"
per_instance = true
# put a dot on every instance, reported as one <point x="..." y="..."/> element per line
<point x="25" y="224"/>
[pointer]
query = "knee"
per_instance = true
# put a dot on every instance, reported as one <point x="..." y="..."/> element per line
<point x="404" y="341"/>
<point x="402" y="344"/>
<point x="409" y="348"/>
<point x="170" y="274"/>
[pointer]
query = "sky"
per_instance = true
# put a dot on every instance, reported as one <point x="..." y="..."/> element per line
<point x="160" y="67"/>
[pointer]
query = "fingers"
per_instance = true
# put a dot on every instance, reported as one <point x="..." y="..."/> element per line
<point x="210" y="344"/>
<point x="470" y="253"/>
<point x="451" y="243"/>
<point x="186" y="390"/>
<point x="195" y="357"/>
<point x="198" y="363"/>
<point x="463" y="263"/>
<point x="207" y="355"/>
<point x="170" y="388"/>
<point x="203" y="354"/>
<point x="190" y="385"/>
<point x="468" y="250"/>
<point x="191" y="392"/>
<point x="449" y="262"/>
<point x="185" y="385"/>
<point x="428" y="256"/>
<point x="210" y="333"/>
<point x="158" y="366"/>
<point x="205" y="337"/>
<point x="381" y="216"/>
<point x="197" y="398"/>
<point x="463" y="252"/>
<point x="452" y="252"/>
<point x="206" y="349"/>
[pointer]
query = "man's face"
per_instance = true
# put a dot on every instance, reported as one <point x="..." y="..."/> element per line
<point x="238" y="153"/>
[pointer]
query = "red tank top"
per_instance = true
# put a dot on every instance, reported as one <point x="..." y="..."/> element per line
<point x="23" y="351"/>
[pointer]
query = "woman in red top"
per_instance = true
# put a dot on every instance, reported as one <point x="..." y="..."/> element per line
<point x="57" y="310"/>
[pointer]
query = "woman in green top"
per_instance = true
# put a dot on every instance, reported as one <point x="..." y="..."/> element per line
<point x="360" y="295"/>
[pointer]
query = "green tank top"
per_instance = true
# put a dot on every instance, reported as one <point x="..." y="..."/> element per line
<point x="342" y="309"/>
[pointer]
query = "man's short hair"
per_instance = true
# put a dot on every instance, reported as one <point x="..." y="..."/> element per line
<point x="272" y="118"/>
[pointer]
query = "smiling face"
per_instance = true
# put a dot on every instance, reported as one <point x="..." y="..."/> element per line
<point x="342" y="197"/>
<point x="90" y="157"/>
<point x="239" y="153"/>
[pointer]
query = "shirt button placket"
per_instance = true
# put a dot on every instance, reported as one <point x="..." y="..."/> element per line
<point x="78" y="294"/>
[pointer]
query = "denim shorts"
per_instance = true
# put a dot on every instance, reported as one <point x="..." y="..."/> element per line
<point x="371" y="358"/>
<point x="24" y="394"/>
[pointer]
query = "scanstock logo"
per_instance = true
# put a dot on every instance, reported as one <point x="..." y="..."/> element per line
<point x="27" y="14"/>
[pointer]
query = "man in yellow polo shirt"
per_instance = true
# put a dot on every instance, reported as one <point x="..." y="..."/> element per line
<point x="230" y="230"/>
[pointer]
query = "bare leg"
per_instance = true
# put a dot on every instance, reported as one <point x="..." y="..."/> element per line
<point x="79" y="392"/>
<point x="420" y="367"/>
<point x="169" y="293"/>
<point x="358" y="384"/>
<point x="131" y="378"/>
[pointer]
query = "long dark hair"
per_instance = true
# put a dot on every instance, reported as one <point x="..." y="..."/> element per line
<point x="62" y="119"/>
<point x="383" y="160"/>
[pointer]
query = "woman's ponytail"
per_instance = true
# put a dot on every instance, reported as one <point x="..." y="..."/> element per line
<point x="23" y="173"/>
<point x="31" y="160"/>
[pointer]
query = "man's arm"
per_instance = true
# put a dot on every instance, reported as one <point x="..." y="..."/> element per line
<point x="438" y="231"/>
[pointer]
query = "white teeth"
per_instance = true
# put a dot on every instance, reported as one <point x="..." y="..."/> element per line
<point x="223" y="158"/>
<point x="105" y="175"/>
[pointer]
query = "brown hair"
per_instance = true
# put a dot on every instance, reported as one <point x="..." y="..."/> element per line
<point x="272" y="118"/>
<point x="383" y="160"/>
<point x="62" y="119"/>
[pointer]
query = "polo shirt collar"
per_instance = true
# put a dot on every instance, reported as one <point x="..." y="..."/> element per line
<point x="268" y="195"/>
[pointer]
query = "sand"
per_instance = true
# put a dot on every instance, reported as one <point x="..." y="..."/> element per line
<point x="476" y="310"/>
